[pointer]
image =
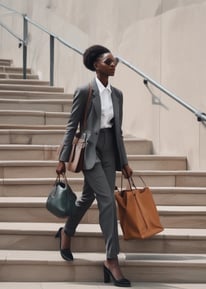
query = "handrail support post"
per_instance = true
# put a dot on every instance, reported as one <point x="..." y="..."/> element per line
<point x="51" y="60"/>
<point x="25" y="38"/>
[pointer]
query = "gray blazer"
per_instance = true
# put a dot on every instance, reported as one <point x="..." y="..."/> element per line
<point x="93" y="125"/>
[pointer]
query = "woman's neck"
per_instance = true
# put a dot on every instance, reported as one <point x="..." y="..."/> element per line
<point x="104" y="80"/>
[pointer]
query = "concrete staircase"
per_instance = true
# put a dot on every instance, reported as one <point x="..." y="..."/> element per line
<point x="33" y="116"/>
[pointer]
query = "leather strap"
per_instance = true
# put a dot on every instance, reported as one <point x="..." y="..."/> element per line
<point x="87" y="106"/>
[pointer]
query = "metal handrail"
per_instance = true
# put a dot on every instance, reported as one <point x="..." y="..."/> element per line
<point x="54" y="35"/>
<point x="201" y="116"/>
<point x="11" y="32"/>
<point x="10" y="9"/>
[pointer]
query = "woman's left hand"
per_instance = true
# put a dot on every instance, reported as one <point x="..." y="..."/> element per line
<point x="127" y="171"/>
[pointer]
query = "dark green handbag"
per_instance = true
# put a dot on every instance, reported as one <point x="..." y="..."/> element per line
<point x="61" y="200"/>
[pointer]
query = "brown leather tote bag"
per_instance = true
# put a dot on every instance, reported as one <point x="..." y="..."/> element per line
<point x="138" y="215"/>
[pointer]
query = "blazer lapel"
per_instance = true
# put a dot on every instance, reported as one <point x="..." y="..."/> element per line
<point x="115" y="102"/>
<point x="96" y="98"/>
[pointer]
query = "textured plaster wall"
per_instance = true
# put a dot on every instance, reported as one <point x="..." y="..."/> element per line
<point x="163" y="38"/>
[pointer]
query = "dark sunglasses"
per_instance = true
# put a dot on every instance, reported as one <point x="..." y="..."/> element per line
<point x="109" y="61"/>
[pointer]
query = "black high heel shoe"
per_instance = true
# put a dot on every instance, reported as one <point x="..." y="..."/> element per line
<point x="65" y="253"/>
<point x="120" y="283"/>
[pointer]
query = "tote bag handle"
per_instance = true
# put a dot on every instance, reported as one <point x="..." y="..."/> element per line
<point x="131" y="182"/>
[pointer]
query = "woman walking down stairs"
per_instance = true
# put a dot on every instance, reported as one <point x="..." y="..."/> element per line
<point x="32" y="122"/>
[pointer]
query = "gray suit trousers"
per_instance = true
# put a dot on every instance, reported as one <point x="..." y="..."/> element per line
<point x="100" y="183"/>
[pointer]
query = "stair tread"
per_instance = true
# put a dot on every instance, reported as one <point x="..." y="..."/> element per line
<point x="34" y="93"/>
<point x="47" y="101"/>
<point x="97" y="285"/>
<point x="15" y="68"/>
<point x="130" y="157"/>
<point x="29" y="129"/>
<point x="49" y="256"/>
<point x="46" y="179"/>
<point x="50" y="180"/>
<point x="28" y="147"/>
<point x="137" y="259"/>
<point x="13" y="75"/>
<point x="45" y="162"/>
<point x="23" y="81"/>
<point x="127" y="138"/>
<point x="41" y="200"/>
<point x="51" y="228"/>
<point x="136" y="173"/>
<point x="29" y="85"/>
<point x="33" y="129"/>
<point x="30" y="112"/>
<point x="6" y="60"/>
<point x="160" y="190"/>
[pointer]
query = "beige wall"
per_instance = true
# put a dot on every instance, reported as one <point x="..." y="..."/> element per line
<point x="163" y="38"/>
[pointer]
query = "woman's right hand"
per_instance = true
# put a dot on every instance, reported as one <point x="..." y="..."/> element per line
<point x="127" y="171"/>
<point x="61" y="168"/>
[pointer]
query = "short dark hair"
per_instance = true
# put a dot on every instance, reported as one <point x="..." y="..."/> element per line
<point x="91" y="54"/>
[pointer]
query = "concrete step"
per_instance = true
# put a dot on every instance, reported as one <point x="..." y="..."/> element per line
<point x="56" y="105"/>
<point x="6" y="62"/>
<point x="33" y="139"/>
<point x="10" y="69"/>
<point x="157" y="162"/>
<point x="143" y="162"/>
<point x="97" y="285"/>
<point x="182" y="196"/>
<point x="35" y="187"/>
<point x="32" y="95"/>
<point x="25" y="118"/>
<point x="18" y="127"/>
<point x="89" y="238"/>
<point x="24" y="82"/>
<point x="33" y="210"/>
<point x="39" y="187"/>
<point x="47" y="266"/>
<point x="17" y="76"/>
<point x="26" y="152"/>
<point x="50" y="152"/>
<point x="46" y="169"/>
<point x="31" y="136"/>
<point x="169" y="178"/>
<point x="19" y="87"/>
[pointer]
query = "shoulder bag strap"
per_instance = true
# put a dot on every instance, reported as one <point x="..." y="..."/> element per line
<point x="87" y="106"/>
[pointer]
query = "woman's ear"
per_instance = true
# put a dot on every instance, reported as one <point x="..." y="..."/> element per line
<point x="95" y="65"/>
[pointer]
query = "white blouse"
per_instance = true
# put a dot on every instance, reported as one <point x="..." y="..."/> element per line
<point x="107" y="112"/>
